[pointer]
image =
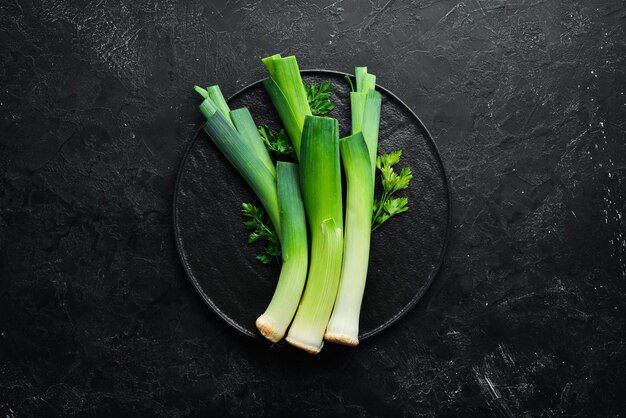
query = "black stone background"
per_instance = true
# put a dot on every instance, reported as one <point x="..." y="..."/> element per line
<point x="526" y="102"/>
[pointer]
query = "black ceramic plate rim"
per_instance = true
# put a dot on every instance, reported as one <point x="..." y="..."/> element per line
<point x="391" y="321"/>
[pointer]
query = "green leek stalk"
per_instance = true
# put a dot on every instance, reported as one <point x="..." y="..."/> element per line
<point x="286" y="91"/>
<point x="358" y="153"/>
<point x="320" y="182"/>
<point x="243" y="122"/>
<point x="243" y="158"/>
<point x="241" y="119"/>
<point x="215" y="94"/>
<point x="274" y="322"/>
<point x="343" y="326"/>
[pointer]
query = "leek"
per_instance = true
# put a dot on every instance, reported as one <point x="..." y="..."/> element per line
<point x="343" y="327"/>
<point x="320" y="181"/>
<point x="358" y="153"/>
<point x="274" y="321"/>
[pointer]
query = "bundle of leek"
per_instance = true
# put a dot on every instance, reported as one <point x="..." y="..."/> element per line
<point x="285" y="89"/>
<point x="331" y="303"/>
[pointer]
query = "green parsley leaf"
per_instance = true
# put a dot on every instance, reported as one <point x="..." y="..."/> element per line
<point x="319" y="97"/>
<point x="261" y="229"/>
<point x="389" y="159"/>
<point x="392" y="182"/>
<point x="277" y="144"/>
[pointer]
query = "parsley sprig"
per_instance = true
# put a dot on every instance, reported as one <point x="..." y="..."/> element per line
<point x="319" y="97"/>
<point x="392" y="182"/>
<point x="261" y="229"/>
<point x="277" y="143"/>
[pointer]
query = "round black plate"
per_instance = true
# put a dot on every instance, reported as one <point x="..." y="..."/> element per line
<point x="406" y="252"/>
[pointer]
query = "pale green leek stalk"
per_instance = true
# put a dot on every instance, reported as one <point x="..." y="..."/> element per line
<point x="343" y="326"/>
<point x="286" y="91"/>
<point x="320" y="182"/>
<point x="275" y="320"/>
<point x="358" y="153"/>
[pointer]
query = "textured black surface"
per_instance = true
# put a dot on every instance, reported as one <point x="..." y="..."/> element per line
<point x="406" y="253"/>
<point x="526" y="102"/>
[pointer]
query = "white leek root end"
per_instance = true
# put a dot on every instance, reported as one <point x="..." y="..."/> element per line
<point x="341" y="339"/>
<point x="311" y="349"/>
<point x="267" y="328"/>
